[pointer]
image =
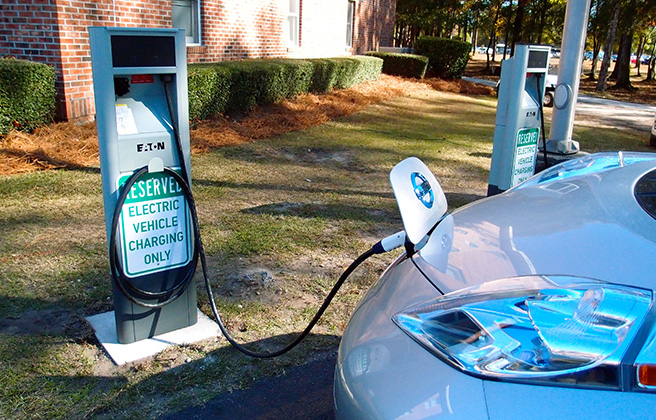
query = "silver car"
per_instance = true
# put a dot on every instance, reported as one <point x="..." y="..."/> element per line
<point x="537" y="303"/>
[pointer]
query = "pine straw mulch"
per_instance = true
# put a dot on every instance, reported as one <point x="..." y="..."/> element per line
<point x="75" y="146"/>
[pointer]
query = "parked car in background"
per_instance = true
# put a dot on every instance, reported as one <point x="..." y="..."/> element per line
<point x="537" y="303"/>
<point x="549" y="89"/>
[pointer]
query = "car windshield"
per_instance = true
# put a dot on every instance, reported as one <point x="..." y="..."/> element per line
<point x="645" y="193"/>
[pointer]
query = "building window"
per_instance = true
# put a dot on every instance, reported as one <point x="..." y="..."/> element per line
<point x="293" y="22"/>
<point x="350" y="16"/>
<point x="186" y="15"/>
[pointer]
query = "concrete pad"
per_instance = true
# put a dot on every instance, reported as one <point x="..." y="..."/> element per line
<point x="105" y="327"/>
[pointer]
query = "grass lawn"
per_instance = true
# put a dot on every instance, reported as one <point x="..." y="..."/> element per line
<point x="281" y="218"/>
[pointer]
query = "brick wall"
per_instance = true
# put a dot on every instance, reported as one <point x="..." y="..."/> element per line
<point x="55" y="32"/>
<point x="374" y="26"/>
<point x="29" y="30"/>
<point x="234" y="29"/>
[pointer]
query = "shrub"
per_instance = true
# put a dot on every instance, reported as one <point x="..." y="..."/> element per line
<point x="446" y="57"/>
<point x="242" y="85"/>
<point x="343" y="72"/>
<point x="406" y="65"/>
<point x="27" y="95"/>
<point x="209" y="90"/>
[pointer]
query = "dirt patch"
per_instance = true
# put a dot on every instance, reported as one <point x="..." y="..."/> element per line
<point x="48" y="322"/>
<point x="251" y="282"/>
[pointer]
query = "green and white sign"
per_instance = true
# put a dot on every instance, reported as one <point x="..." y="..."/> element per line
<point x="526" y="148"/>
<point x="155" y="229"/>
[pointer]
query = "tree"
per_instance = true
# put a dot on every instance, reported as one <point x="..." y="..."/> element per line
<point x="608" y="46"/>
<point x="600" y="17"/>
<point x="517" y="25"/>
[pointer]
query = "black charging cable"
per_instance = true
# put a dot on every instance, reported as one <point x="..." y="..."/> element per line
<point x="541" y="106"/>
<point x="142" y="297"/>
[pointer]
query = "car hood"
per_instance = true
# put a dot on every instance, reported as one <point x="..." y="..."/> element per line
<point x="579" y="220"/>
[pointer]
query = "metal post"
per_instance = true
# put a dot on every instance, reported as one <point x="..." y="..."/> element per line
<point x="569" y="71"/>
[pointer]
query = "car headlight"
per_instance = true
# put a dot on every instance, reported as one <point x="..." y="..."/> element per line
<point x="559" y="330"/>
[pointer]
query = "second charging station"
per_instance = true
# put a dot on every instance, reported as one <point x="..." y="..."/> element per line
<point x="519" y="117"/>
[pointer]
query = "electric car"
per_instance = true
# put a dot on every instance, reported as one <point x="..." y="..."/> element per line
<point x="537" y="303"/>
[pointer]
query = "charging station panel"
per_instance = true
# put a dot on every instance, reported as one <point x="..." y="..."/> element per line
<point x="518" y="119"/>
<point x="132" y="67"/>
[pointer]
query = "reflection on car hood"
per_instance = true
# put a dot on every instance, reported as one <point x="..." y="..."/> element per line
<point x="579" y="219"/>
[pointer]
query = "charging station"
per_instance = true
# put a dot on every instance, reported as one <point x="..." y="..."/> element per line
<point x="140" y="88"/>
<point x="519" y="116"/>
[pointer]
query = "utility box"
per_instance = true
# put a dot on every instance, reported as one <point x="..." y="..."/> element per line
<point x="518" y="120"/>
<point x="155" y="235"/>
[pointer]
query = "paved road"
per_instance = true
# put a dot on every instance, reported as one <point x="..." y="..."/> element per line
<point x="608" y="112"/>
<point x="615" y="113"/>
<point x="304" y="393"/>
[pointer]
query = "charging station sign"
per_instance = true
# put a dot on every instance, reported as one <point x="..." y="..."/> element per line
<point x="526" y="148"/>
<point x="155" y="230"/>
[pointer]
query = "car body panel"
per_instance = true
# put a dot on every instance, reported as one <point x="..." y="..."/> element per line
<point x="511" y="401"/>
<point x="372" y="379"/>
<point x="579" y="226"/>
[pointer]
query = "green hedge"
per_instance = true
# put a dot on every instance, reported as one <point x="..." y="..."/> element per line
<point x="406" y="65"/>
<point x="446" y="57"/>
<point x="27" y="95"/>
<point x="241" y="85"/>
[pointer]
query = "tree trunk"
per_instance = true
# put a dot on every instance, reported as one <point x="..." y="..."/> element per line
<point x="517" y="25"/>
<point x="650" y="66"/>
<point x="507" y="33"/>
<point x="641" y="47"/>
<point x="595" y="61"/>
<point x="543" y="15"/>
<point x="619" y="62"/>
<point x="608" y="48"/>
<point x="623" y="64"/>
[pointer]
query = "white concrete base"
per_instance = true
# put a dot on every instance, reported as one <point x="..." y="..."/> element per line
<point x="105" y="327"/>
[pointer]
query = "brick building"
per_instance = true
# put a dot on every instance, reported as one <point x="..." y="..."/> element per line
<point x="55" y="32"/>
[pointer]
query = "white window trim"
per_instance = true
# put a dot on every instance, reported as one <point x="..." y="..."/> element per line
<point x="350" y="22"/>
<point x="195" y="5"/>
<point x="293" y="40"/>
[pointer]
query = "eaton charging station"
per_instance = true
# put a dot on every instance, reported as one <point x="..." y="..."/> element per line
<point x="140" y="87"/>
<point x="519" y="116"/>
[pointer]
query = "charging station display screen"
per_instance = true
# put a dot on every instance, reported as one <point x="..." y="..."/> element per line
<point x="154" y="230"/>
<point x="537" y="59"/>
<point x="143" y="51"/>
